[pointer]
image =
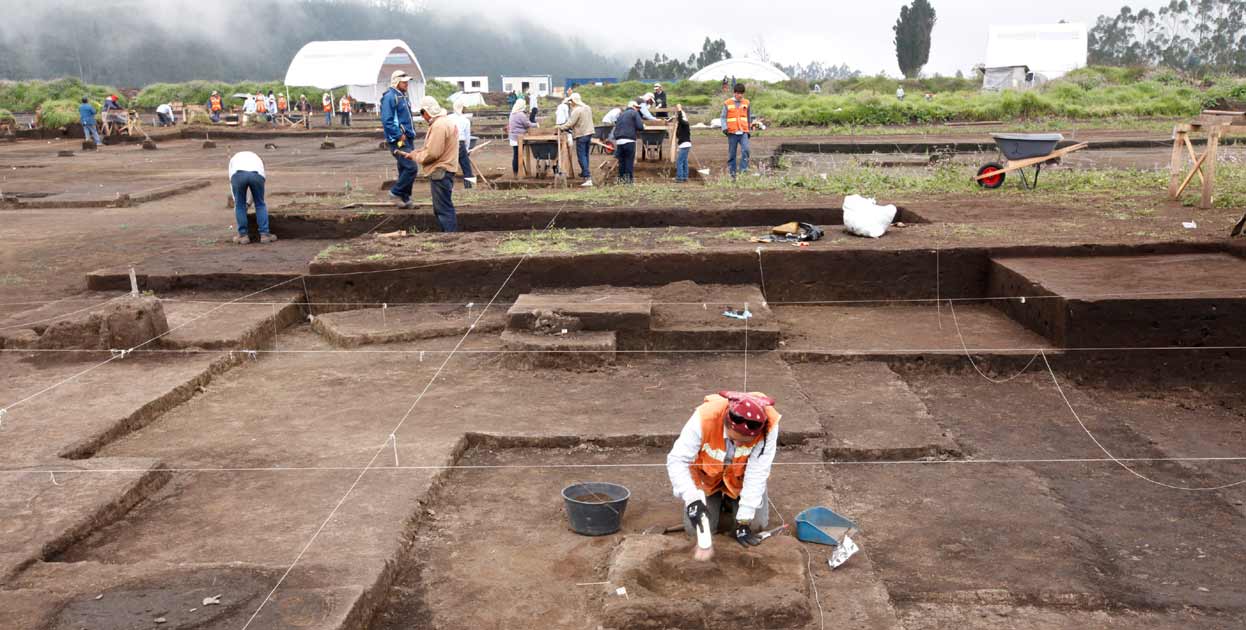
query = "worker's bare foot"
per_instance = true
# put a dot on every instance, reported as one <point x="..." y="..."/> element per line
<point x="242" y="239"/>
<point x="268" y="238"/>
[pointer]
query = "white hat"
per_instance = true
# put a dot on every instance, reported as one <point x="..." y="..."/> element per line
<point x="575" y="98"/>
<point x="657" y="86"/>
<point x="430" y="105"/>
<point x="398" y="76"/>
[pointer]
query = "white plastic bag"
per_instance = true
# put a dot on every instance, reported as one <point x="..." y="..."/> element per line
<point x="864" y="217"/>
<point x="842" y="552"/>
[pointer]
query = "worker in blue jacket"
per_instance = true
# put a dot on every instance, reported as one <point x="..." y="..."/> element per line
<point x="400" y="135"/>
<point x="627" y="130"/>
<point x="86" y="114"/>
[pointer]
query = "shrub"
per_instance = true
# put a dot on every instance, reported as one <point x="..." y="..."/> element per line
<point x="25" y="96"/>
<point x="59" y="113"/>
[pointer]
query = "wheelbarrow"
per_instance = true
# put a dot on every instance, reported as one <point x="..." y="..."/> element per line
<point x="1022" y="151"/>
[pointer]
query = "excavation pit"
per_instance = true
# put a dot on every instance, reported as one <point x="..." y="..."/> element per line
<point x="761" y="587"/>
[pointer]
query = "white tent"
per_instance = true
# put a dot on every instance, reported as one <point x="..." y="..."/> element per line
<point x="363" y="66"/>
<point x="469" y="99"/>
<point x="740" y="68"/>
<point x="1050" y="50"/>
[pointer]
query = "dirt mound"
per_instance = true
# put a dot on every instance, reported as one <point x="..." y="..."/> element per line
<point x="120" y="324"/>
<point x="666" y="588"/>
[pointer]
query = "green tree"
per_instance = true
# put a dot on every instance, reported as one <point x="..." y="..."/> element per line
<point x="668" y="68"/>
<point x="912" y="38"/>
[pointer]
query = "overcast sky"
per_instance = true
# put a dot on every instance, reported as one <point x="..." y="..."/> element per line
<point x="854" y="32"/>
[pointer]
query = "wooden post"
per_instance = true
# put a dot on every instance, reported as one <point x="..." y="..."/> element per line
<point x="523" y="159"/>
<point x="1209" y="166"/>
<point x="1178" y="141"/>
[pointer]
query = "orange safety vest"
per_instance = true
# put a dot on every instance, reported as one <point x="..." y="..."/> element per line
<point x="328" y="103"/>
<point x="737" y="115"/>
<point x="281" y="103"/>
<point x="216" y="103"/>
<point x="261" y="105"/>
<point x="709" y="471"/>
<point x="344" y="105"/>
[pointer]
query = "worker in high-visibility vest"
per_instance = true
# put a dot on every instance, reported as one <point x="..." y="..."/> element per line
<point x="261" y="105"/>
<point x="282" y="105"/>
<point x="215" y="106"/>
<point x="344" y="109"/>
<point x="737" y="121"/>
<point x="326" y="102"/>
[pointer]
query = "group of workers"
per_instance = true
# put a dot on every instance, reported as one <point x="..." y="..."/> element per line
<point x="274" y="107"/>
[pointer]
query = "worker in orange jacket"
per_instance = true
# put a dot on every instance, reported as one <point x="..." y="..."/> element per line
<point x="737" y="121"/>
<point x="720" y="465"/>
<point x="326" y="102"/>
<point x="344" y="110"/>
<point x="215" y="106"/>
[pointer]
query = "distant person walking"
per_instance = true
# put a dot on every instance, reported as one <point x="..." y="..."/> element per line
<point x="305" y="108"/>
<point x="464" y="124"/>
<point x="246" y="173"/>
<point x="215" y="106"/>
<point x="86" y="115"/>
<point x="399" y="135"/>
<point x="683" y="136"/>
<point x="580" y="125"/>
<point x="440" y="159"/>
<point x="533" y="100"/>
<point x="326" y="102"/>
<point x="344" y="110"/>
<point x="737" y="119"/>
<point x="626" y="131"/>
<point x="900" y="93"/>
<point x="516" y="127"/>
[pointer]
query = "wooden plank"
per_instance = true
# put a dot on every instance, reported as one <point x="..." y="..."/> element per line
<point x="1209" y="177"/>
<point x="1020" y="164"/>
<point x="1189" y="147"/>
<point x="1180" y="136"/>
<point x="1186" y="182"/>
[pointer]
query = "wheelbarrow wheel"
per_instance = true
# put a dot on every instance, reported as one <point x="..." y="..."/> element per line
<point x="994" y="176"/>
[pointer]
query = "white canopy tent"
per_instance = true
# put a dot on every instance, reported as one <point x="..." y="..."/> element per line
<point x="740" y="68"/>
<point x="363" y="66"/>
<point x="1050" y="50"/>
<point x="469" y="99"/>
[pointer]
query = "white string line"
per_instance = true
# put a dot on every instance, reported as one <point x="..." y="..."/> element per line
<point x="62" y="315"/>
<point x="444" y="467"/>
<point x="836" y="351"/>
<point x="125" y="352"/>
<point x="393" y="432"/>
<point x="975" y="363"/>
<point x="1118" y="460"/>
<point x="761" y="272"/>
<point x="1175" y="293"/>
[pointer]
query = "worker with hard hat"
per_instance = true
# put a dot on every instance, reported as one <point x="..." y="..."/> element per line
<point x="399" y="135"/>
<point x="720" y="466"/>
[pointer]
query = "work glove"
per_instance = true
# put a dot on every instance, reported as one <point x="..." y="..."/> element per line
<point x="745" y="536"/>
<point x="695" y="511"/>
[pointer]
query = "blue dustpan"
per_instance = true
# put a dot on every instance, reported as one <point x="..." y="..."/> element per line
<point x="811" y="526"/>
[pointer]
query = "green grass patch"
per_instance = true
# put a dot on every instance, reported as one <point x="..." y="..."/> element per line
<point x="331" y="251"/>
<point x="25" y="96"/>
<point x="683" y="240"/>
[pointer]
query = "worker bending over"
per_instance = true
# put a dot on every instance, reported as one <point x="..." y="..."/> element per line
<point x="720" y="465"/>
<point x="440" y="159"/>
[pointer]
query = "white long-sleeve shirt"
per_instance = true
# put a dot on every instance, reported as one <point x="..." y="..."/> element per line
<point x="562" y="114"/>
<point x="756" y="473"/>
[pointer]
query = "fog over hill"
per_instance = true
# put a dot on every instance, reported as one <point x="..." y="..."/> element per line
<point x="130" y="43"/>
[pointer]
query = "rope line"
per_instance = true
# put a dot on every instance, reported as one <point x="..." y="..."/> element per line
<point x="394" y="432"/>
<point x="1118" y="460"/>
<point x="975" y="363"/>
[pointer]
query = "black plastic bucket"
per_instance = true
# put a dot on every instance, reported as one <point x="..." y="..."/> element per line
<point x="596" y="508"/>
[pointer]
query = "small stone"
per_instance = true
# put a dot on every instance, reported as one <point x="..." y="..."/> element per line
<point x="160" y="620"/>
<point x="1203" y="589"/>
<point x="99" y="597"/>
<point x="214" y="600"/>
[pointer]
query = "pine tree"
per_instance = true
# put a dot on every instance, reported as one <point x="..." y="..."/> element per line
<point x="913" y="37"/>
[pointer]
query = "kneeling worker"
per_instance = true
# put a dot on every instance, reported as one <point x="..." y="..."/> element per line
<point x="720" y="465"/>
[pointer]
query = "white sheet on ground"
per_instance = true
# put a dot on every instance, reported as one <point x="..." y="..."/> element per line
<point x="864" y="217"/>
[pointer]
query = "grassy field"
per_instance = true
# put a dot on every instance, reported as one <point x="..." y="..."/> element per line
<point x="1061" y="184"/>
<point x="1095" y="94"/>
<point x="25" y="96"/>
